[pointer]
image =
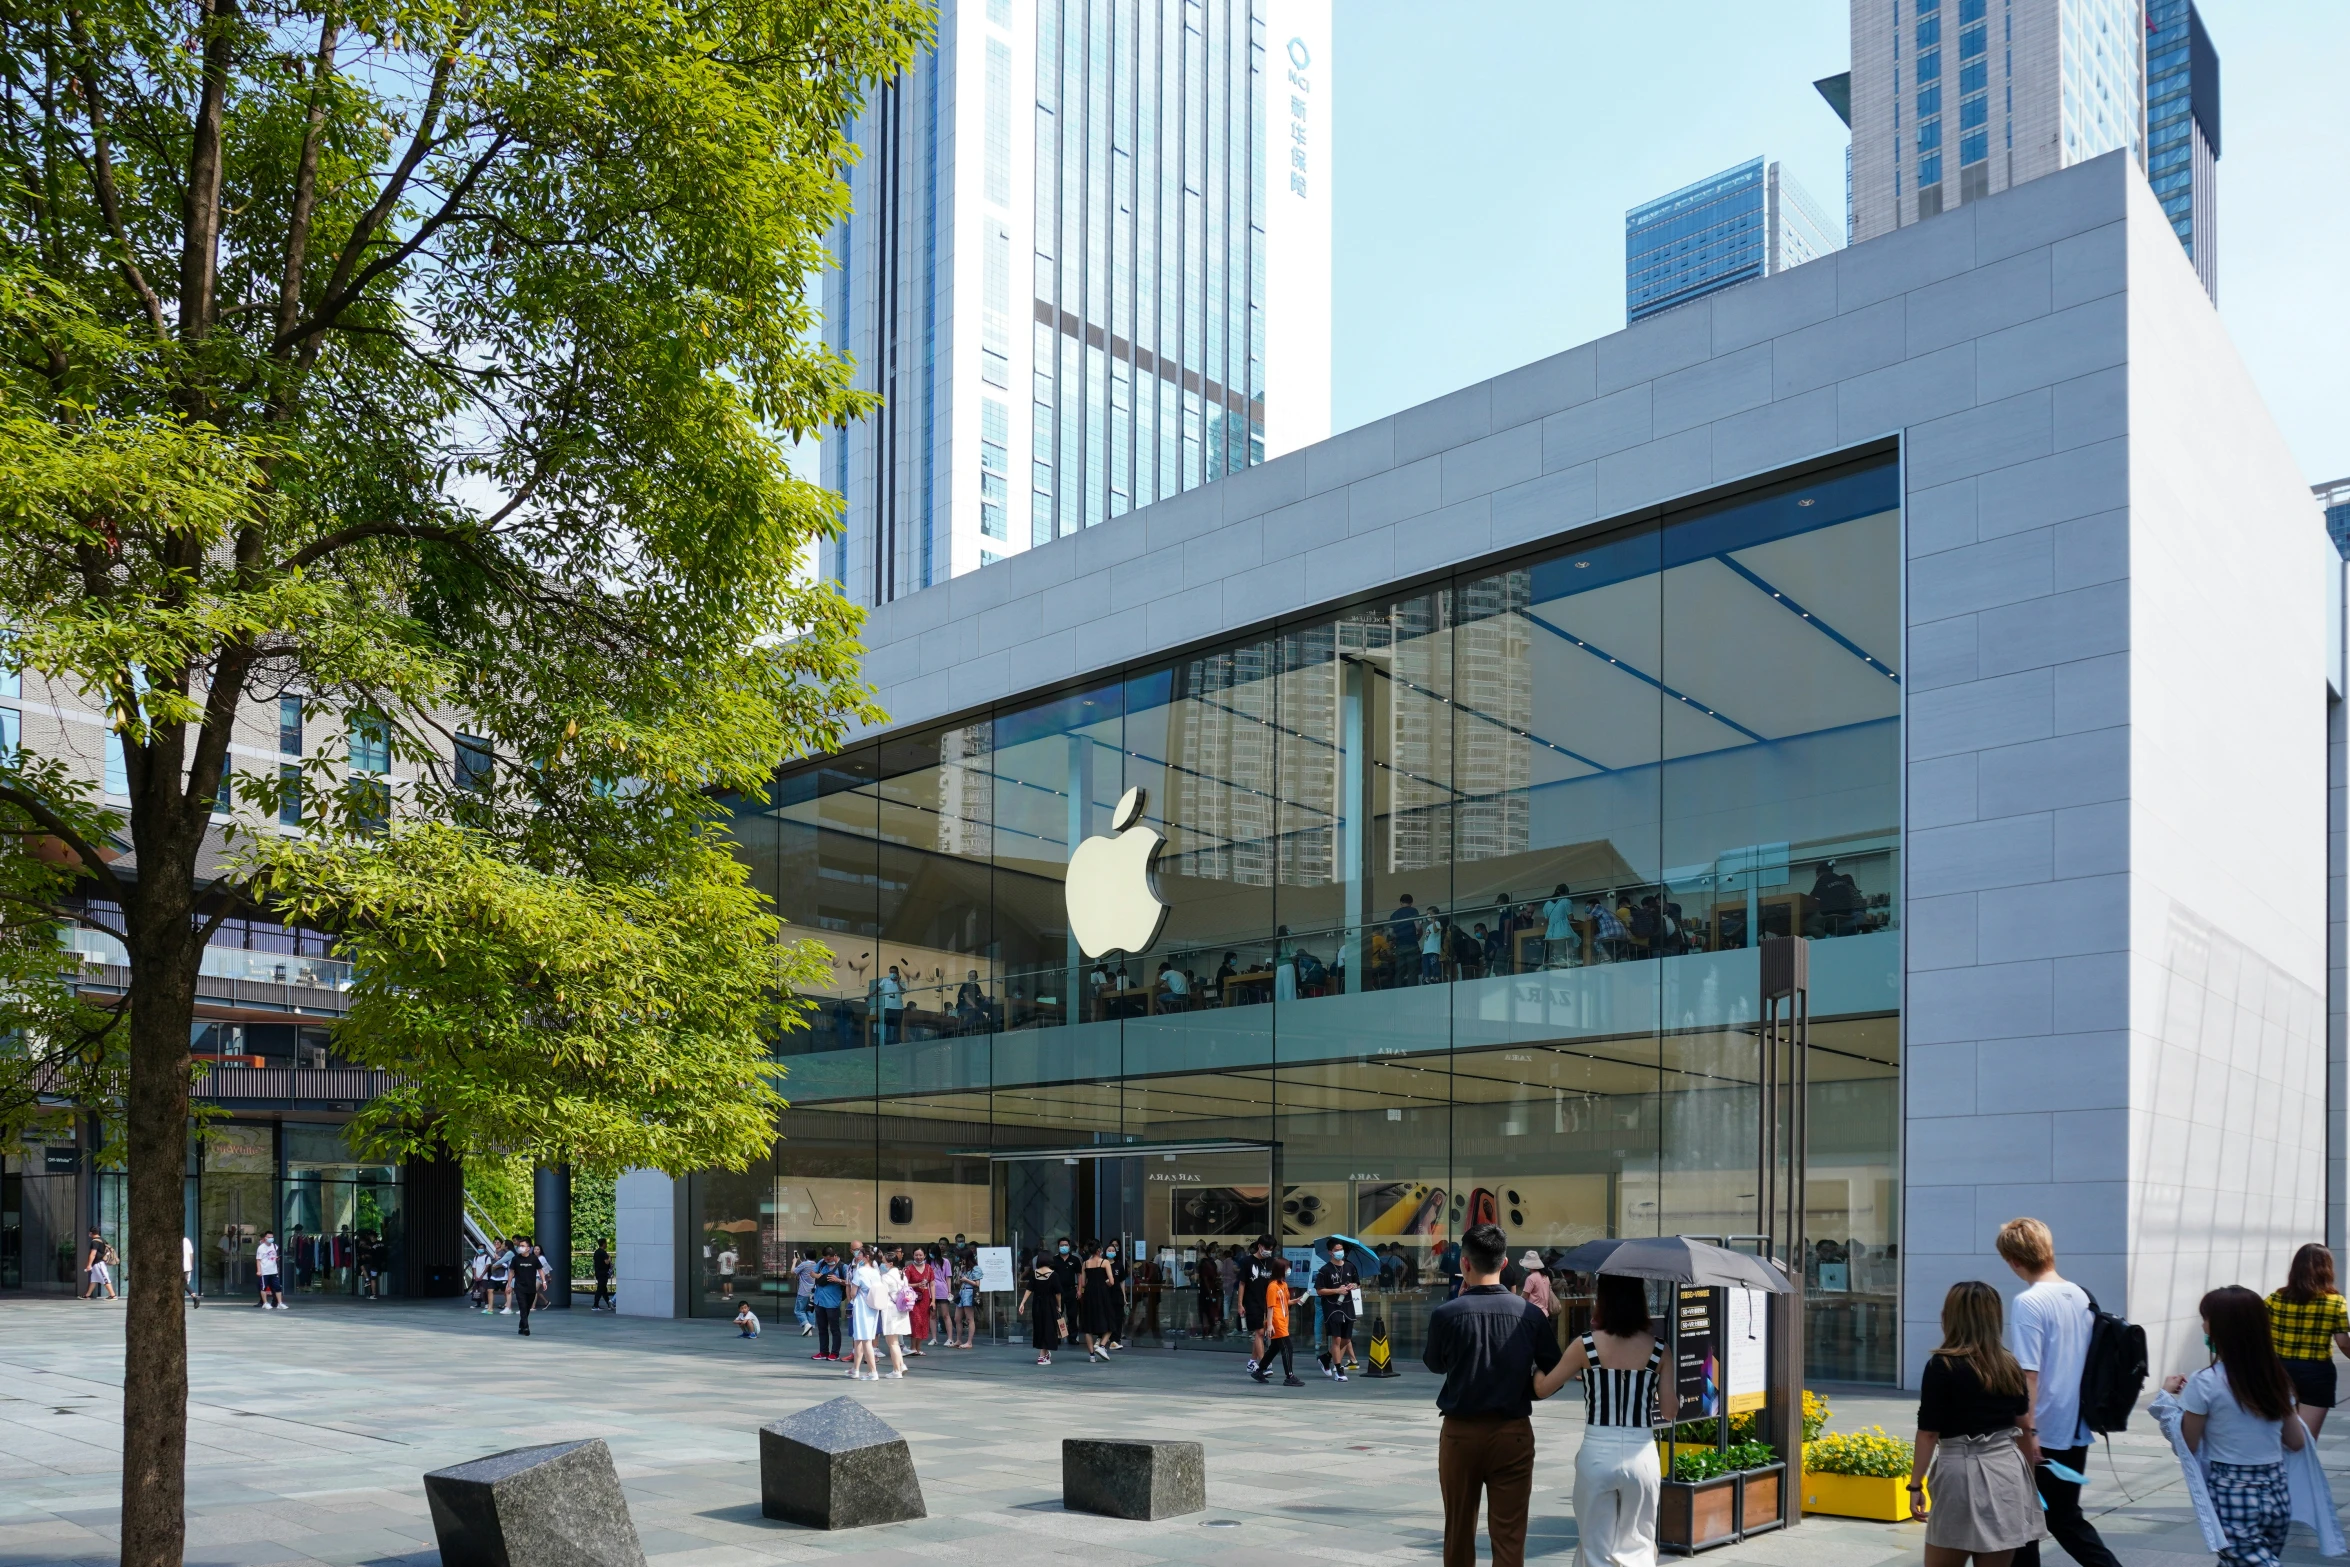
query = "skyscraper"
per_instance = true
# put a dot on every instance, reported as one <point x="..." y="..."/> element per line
<point x="1745" y="222"/>
<point x="1160" y="172"/>
<point x="2182" y="130"/>
<point x="1955" y="99"/>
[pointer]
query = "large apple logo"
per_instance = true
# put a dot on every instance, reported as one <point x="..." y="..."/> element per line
<point x="1114" y="902"/>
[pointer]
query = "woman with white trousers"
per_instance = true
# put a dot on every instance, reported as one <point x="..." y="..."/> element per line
<point x="1625" y="1394"/>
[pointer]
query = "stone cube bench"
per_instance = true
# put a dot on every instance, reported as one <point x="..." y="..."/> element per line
<point x="554" y="1506"/>
<point x="1140" y="1480"/>
<point x="837" y="1466"/>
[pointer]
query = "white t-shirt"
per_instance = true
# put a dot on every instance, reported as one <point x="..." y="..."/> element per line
<point x="265" y="1257"/>
<point x="748" y="1319"/>
<point x="187" y="1255"/>
<point x="2232" y="1434"/>
<point x="726" y="1261"/>
<point x="2048" y="1328"/>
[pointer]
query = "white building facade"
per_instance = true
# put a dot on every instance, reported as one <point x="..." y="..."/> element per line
<point x="2063" y="727"/>
<point x="1087" y="268"/>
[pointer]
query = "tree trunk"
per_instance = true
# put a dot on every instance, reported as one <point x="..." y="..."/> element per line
<point x="155" y="1344"/>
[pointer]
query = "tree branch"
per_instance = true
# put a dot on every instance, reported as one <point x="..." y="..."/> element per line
<point x="289" y="289"/>
<point x="207" y="170"/>
<point x="363" y="232"/>
<point x="38" y="809"/>
<point x="102" y="177"/>
<point x="318" y="549"/>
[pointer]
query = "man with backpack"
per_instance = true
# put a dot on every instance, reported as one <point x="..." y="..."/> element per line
<point x="2052" y="1324"/>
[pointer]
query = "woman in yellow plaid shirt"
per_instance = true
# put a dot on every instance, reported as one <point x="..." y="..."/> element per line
<point x="2308" y="1319"/>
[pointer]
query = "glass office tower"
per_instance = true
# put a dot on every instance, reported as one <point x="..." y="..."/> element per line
<point x="1465" y="884"/>
<point x="1159" y="170"/>
<point x="2182" y="130"/>
<point x="1746" y="222"/>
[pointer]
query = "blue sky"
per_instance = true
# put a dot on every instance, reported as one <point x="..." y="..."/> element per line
<point x="1486" y="153"/>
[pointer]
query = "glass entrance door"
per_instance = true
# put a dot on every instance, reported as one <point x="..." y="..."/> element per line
<point x="1175" y="1215"/>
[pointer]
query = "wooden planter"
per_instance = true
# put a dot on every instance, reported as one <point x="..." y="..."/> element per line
<point x="1697" y="1515"/>
<point x="1880" y="1498"/>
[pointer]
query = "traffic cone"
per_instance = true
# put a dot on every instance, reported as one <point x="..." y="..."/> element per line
<point x="1382" y="1358"/>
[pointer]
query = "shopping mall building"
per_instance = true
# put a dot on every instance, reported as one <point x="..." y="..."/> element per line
<point x="1950" y="602"/>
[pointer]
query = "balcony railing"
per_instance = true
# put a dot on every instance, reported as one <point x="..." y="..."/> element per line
<point x="297" y="1084"/>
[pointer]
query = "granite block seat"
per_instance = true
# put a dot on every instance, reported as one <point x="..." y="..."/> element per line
<point x="554" y="1506"/>
<point x="1142" y="1480"/>
<point x="837" y="1466"/>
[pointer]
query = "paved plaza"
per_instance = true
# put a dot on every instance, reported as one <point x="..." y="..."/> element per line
<point x="310" y="1431"/>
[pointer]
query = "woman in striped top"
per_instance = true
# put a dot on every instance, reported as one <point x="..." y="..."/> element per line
<point x="1625" y="1394"/>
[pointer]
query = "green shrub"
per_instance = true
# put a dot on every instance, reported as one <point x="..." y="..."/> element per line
<point x="1705" y="1463"/>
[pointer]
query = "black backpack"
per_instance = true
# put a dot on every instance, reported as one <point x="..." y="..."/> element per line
<point x="2114" y="1373"/>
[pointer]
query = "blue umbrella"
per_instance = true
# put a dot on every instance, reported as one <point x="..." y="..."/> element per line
<point x="1366" y="1260"/>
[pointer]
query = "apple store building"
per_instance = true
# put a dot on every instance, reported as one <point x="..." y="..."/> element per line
<point x="1383" y="839"/>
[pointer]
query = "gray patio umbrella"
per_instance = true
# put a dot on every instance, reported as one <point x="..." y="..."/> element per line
<point x="1679" y="1259"/>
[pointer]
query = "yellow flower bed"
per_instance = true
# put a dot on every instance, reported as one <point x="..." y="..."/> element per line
<point x="1858" y="1474"/>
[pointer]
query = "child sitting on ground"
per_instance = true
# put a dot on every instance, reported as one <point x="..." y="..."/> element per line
<point x="747" y="1320"/>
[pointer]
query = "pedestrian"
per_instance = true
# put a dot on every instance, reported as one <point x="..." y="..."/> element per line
<point x="1617" y="1480"/>
<point x="1255" y="1275"/>
<point x="2239" y="1419"/>
<point x="502" y="1277"/>
<point x="1207" y="1274"/>
<point x="921" y="1277"/>
<point x="897" y="1312"/>
<point x="728" y="1260"/>
<point x="1277" y="1328"/>
<point x="379" y="1257"/>
<point x="1149" y="1285"/>
<point x="803" y="1292"/>
<point x="2048" y="1328"/>
<point x="265" y="1271"/>
<point x="966" y="1296"/>
<point x="96" y="1270"/>
<point x="1489" y="1346"/>
<point x="195" y="1296"/>
<point x="602" y="1264"/>
<point x="523" y="1273"/>
<point x="864" y="1314"/>
<point x="2308" y="1321"/>
<point x="1097" y="1303"/>
<point x="1339" y="1286"/>
<point x="1969" y="1402"/>
<point x="942" y="1295"/>
<point x="1040" y="1287"/>
<point x="747" y="1320"/>
<point x="1228" y="1269"/>
<point x="1534" y="1284"/>
<point x="830" y="1287"/>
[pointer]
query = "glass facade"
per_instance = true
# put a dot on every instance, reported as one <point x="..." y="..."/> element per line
<point x="337" y="1218"/>
<point x="1149" y="253"/>
<point x="1746" y="222"/>
<point x="1464" y="886"/>
<point x="2182" y="126"/>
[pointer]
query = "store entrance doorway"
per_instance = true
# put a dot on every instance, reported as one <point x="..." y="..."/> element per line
<point x="1168" y="1208"/>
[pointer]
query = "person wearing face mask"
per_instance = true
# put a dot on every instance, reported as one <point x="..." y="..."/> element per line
<point x="1040" y="1292"/>
<point x="1256" y="1274"/>
<point x="527" y="1266"/>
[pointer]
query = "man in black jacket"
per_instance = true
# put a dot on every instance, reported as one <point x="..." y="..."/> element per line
<point x="1487" y="1344"/>
<point x="1256" y="1271"/>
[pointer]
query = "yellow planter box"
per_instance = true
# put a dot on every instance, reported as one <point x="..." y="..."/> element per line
<point x="1882" y="1498"/>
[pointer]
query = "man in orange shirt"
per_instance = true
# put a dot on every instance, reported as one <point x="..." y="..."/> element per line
<point x="1277" y="1328"/>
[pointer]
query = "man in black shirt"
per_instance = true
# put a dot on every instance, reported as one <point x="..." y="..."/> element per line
<point x="1256" y="1271"/>
<point x="527" y="1266"/>
<point x="1340" y="1287"/>
<point x="1487" y="1344"/>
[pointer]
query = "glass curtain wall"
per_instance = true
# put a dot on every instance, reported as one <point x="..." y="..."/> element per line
<point x="1463" y="889"/>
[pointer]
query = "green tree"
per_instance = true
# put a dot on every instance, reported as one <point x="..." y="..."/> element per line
<point x="429" y="359"/>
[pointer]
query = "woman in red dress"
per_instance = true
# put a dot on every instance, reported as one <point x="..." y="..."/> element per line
<point x="918" y="1276"/>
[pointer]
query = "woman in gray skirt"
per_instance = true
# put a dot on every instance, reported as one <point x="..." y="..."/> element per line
<point x="1972" y="1395"/>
